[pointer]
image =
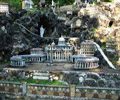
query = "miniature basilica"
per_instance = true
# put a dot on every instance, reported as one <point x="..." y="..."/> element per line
<point x="83" y="57"/>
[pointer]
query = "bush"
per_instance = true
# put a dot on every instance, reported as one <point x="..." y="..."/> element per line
<point x="107" y="0"/>
<point x="16" y="4"/>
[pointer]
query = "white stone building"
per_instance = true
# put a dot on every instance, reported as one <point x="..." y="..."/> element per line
<point x="34" y="58"/>
<point x="87" y="48"/>
<point x="84" y="59"/>
<point x="17" y="61"/>
<point x="59" y="53"/>
<point x="4" y="7"/>
<point x="37" y="51"/>
<point x="85" y="62"/>
<point x="62" y="52"/>
<point x="27" y="4"/>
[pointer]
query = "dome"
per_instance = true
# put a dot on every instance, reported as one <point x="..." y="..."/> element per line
<point x="53" y="43"/>
<point x="61" y="39"/>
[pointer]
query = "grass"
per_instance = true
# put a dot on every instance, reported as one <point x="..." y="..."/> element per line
<point x="42" y="82"/>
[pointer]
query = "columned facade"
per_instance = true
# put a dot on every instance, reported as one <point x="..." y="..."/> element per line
<point x="17" y="61"/>
<point x="34" y="58"/>
<point x="60" y="53"/>
<point x="86" y="63"/>
<point x="87" y="48"/>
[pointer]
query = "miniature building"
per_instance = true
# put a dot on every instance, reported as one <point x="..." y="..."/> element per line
<point x="17" y="61"/>
<point x="85" y="62"/>
<point x="41" y="76"/>
<point x="34" y="58"/>
<point x="84" y="59"/>
<point x="61" y="52"/>
<point x="110" y="45"/>
<point x="87" y="48"/>
<point x="37" y="55"/>
<point x="4" y="8"/>
<point x="27" y="4"/>
<point x="36" y="51"/>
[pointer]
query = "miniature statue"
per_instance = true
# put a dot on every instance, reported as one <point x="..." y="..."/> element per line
<point x="42" y="30"/>
<point x="3" y="29"/>
<point x="71" y="27"/>
<point x="27" y="4"/>
<point x="42" y="3"/>
<point x="53" y="6"/>
<point x="78" y="2"/>
<point x="53" y="3"/>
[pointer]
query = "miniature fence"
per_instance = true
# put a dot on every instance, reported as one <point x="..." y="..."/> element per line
<point x="64" y="91"/>
<point x="48" y="90"/>
<point x="96" y="92"/>
<point x="10" y="87"/>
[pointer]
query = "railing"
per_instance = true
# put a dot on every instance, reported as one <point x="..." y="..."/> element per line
<point x="11" y="88"/>
<point x="62" y="91"/>
<point x="48" y="90"/>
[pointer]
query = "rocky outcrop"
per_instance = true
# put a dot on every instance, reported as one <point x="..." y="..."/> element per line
<point x="20" y="32"/>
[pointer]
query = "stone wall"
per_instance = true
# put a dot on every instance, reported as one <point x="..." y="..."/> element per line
<point x="32" y="90"/>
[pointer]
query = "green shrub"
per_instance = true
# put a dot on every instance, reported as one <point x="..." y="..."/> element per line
<point x="107" y="0"/>
<point x="16" y="4"/>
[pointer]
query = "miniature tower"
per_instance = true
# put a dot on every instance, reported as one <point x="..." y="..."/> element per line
<point x="27" y="4"/>
<point x="23" y="4"/>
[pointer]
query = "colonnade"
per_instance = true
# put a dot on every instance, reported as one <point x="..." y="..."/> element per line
<point x="86" y="65"/>
<point x="60" y="55"/>
<point x="17" y="63"/>
<point x="86" y="52"/>
<point x="34" y="59"/>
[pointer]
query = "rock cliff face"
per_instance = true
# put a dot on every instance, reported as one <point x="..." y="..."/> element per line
<point x="20" y="32"/>
<point x="108" y="17"/>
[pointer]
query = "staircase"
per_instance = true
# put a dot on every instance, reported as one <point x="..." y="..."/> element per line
<point x="104" y="56"/>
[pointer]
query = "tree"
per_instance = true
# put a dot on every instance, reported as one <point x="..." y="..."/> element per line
<point x="17" y="4"/>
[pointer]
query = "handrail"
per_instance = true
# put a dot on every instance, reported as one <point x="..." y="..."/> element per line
<point x="26" y="29"/>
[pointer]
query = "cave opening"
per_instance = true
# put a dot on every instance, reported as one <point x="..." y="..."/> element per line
<point x="111" y="23"/>
<point x="24" y="52"/>
<point x="44" y="21"/>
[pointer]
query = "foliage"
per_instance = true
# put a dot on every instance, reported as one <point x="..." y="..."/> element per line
<point x="16" y="4"/>
<point x="32" y="11"/>
<point x="107" y="0"/>
<point x="7" y="1"/>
